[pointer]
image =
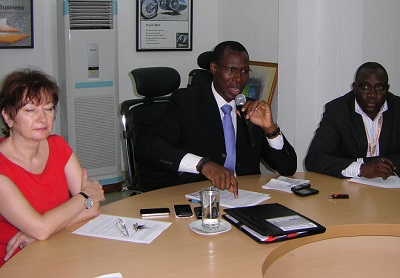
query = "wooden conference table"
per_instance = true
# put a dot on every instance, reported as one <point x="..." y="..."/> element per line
<point x="179" y="252"/>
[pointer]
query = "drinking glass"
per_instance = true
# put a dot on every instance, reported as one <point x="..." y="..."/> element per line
<point x="210" y="208"/>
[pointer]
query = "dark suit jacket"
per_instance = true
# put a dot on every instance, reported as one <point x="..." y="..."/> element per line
<point x="192" y="124"/>
<point x="341" y="138"/>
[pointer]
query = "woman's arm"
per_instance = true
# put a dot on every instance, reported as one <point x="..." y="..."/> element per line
<point x="18" y="211"/>
<point x="73" y="173"/>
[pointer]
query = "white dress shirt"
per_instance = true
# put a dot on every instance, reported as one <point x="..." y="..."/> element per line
<point x="371" y="128"/>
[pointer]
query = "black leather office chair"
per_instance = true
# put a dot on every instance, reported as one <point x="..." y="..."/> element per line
<point x="154" y="84"/>
<point x="197" y="77"/>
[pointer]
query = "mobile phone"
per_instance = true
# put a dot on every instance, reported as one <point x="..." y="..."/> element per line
<point x="154" y="212"/>
<point x="300" y="186"/>
<point x="183" y="210"/>
<point x="306" y="192"/>
<point x="198" y="211"/>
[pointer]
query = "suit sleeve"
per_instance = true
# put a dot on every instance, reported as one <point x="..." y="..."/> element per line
<point x="322" y="155"/>
<point x="284" y="161"/>
<point x="157" y="146"/>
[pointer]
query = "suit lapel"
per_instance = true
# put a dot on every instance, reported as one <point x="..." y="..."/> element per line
<point x="359" y="129"/>
<point x="210" y="111"/>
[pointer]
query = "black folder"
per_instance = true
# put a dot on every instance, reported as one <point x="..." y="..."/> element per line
<point x="272" y="222"/>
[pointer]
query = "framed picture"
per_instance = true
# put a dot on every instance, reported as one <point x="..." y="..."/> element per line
<point x="16" y="24"/>
<point x="262" y="81"/>
<point x="164" y="25"/>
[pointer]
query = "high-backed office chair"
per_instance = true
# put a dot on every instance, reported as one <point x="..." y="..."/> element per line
<point x="202" y="75"/>
<point x="154" y="84"/>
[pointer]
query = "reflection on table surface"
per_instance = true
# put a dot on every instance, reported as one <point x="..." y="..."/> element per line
<point x="179" y="252"/>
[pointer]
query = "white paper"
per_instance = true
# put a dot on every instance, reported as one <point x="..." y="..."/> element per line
<point x="284" y="184"/>
<point x="390" y="182"/>
<point x="291" y="222"/>
<point x="111" y="275"/>
<point x="246" y="198"/>
<point x="105" y="226"/>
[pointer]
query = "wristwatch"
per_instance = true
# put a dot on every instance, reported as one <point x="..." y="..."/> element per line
<point x="273" y="133"/>
<point x="88" y="201"/>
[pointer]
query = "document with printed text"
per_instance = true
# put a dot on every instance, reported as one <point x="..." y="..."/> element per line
<point x="132" y="229"/>
<point x="390" y="182"/>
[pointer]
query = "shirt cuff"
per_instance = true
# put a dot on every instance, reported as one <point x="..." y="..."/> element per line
<point x="276" y="143"/>
<point x="189" y="162"/>
<point x="353" y="170"/>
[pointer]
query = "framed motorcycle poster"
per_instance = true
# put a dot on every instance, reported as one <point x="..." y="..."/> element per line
<point x="164" y="25"/>
<point x="16" y="24"/>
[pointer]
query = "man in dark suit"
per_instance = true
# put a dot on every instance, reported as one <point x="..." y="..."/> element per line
<point x="359" y="134"/>
<point x="189" y="143"/>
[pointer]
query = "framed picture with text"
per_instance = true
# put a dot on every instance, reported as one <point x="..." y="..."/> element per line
<point x="164" y="25"/>
<point x="16" y="24"/>
<point x="262" y="81"/>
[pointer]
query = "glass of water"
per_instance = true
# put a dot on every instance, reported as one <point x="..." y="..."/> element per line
<point x="210" y="208"/>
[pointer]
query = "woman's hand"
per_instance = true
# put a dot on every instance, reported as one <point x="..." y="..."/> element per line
<point x="92" y="188"/>
<point x="19" y="240"/>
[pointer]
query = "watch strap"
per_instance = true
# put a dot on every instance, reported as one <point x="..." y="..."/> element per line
<point x="273" y="133"/>
<point x="203" y="162"/>
<point x="84" y="194"/>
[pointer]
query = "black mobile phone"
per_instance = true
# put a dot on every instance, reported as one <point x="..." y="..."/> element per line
<point x="306" y="192"/>
<point x="300" y="186"/>
<point x="198" y="211"/>
<point x="154" y="212"/>
<point x="183" y="210"/>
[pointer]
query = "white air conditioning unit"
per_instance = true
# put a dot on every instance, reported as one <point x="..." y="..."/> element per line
<point x="88" y="78"/>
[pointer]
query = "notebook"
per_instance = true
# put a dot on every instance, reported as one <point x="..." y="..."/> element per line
<point x="271" y="222"/>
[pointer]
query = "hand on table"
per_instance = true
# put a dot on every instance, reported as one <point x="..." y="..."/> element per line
<point x="19" y="240"/>
<point x="377" y="167"/>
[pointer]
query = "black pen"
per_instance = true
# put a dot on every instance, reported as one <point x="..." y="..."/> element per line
<point x="394" y="171"/>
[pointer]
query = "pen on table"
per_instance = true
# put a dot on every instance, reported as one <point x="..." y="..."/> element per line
<point x="194" y="201"/>
<point x="394" y="171"/>
<point x="339" y="196"/>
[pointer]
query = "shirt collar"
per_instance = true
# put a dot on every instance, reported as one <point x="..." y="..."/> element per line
<point x="220" y="101"/>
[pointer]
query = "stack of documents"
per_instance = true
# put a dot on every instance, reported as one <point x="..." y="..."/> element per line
<point x="246" y="198"/>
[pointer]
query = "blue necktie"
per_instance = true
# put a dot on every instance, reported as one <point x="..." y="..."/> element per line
<point x="229" y="134"/>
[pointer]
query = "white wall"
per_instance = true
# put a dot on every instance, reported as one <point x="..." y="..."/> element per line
<point x="318" y="44"/>
<point x="253" y="23"/>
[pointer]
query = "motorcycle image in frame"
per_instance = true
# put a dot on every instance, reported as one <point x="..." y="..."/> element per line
<point x="149" y="8"/>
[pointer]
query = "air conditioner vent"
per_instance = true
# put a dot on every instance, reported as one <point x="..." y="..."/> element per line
<point x="85" y="15"/>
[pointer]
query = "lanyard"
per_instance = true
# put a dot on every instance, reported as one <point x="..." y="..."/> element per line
<point x="372" y="148"/>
